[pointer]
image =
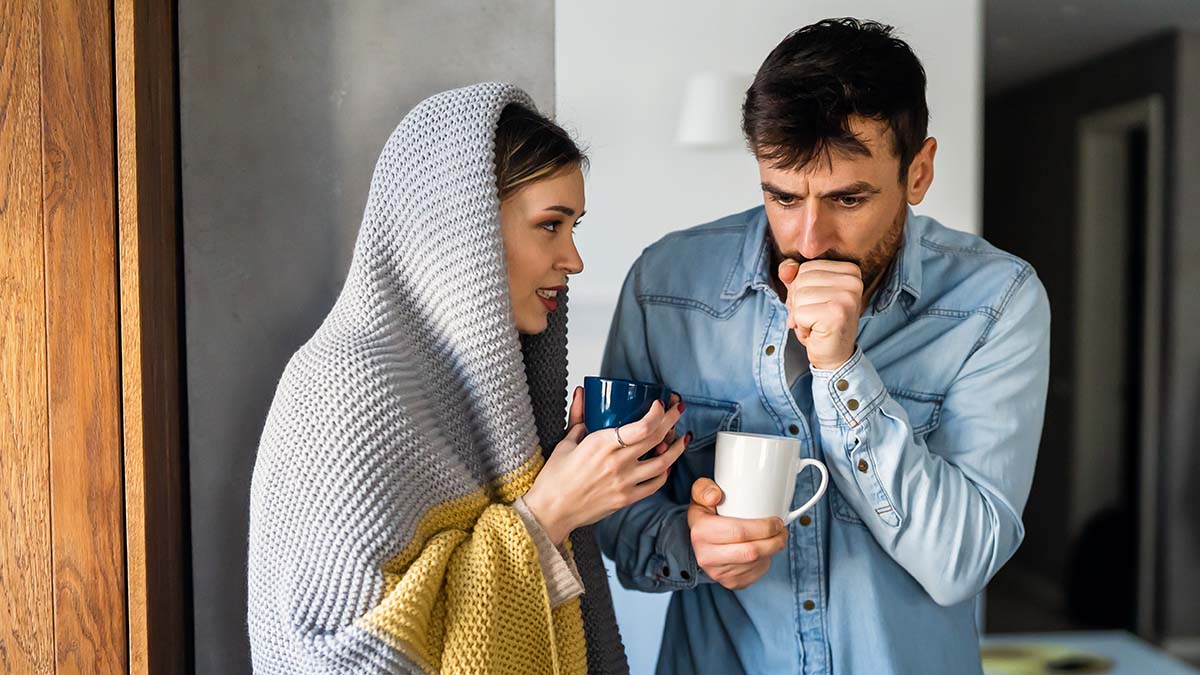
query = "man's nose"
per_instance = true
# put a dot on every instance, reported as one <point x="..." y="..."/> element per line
<point x="813" y="236"/>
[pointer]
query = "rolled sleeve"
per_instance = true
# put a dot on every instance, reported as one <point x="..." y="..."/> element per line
<point x="558" y="566"/>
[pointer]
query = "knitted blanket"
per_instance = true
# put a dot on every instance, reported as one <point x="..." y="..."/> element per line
<point x="382" y="539"/>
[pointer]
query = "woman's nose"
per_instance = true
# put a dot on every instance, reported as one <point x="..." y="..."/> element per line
<point x="571" y="262"/>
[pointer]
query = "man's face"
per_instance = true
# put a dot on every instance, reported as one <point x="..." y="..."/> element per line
<point x="846" y="207"/>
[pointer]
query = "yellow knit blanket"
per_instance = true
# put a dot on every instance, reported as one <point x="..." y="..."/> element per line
<point x="468" y="596"/>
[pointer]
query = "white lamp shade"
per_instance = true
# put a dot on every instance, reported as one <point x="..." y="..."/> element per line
<point x="710" y="114"/>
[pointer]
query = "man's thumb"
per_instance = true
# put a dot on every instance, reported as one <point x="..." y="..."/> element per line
<point x="788" y="269"/>
<point x="705" y="492"/>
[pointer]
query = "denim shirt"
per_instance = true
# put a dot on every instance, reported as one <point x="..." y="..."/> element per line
<point x="930" y="432"/>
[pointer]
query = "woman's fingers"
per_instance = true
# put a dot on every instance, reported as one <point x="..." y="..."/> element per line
<point x="576" y="434"/>
<point x="671" y="435"/>
<point x="641" y="436"/>
<point x="642" y="431"/>
<point x="643" y="490"/>
<point x="576" y="415"/>
<point x="649" y="468"/>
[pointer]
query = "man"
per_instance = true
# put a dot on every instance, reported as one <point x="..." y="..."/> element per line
<point x="912" y="359"/>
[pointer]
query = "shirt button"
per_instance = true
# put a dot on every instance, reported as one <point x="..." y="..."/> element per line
<point x="805" y="521"/>
<point x="666" y="571"/>
<point x="852" y="404"/>
<point x="809" y="605"/>
<point x="863" y="466"/>
<point x="770" y="349"/>
<point x="684" y="575"/>
<point x="793" y="429"/>
<point x="842" y="385"/>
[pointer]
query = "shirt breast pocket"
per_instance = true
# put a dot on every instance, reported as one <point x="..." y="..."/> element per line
<point x="704" y="417"/>
<point x="924" y="410"/>
<point x="841" y="508"/>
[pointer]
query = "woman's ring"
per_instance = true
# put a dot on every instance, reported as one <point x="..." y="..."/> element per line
<point x="617" y="431"/>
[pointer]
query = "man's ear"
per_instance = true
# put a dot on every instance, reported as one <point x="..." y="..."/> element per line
<point x="920" y="172"/>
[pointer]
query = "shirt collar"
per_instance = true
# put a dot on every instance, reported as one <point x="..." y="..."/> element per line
<point x="904" y="274"/>
<point x="750" y="266"/>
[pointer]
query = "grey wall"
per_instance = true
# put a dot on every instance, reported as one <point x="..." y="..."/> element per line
<point x="284" y="107"/>
<point x="1030" y="183"/>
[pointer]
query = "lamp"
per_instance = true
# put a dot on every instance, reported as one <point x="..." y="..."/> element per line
<point x="710" y="115"/>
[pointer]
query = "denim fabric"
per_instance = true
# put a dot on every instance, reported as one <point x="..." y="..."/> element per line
<point x="930" y="432"/>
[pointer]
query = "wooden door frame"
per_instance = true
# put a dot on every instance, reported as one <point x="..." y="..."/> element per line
<point x="147" y="115"/>
<point x="93" y="573"/>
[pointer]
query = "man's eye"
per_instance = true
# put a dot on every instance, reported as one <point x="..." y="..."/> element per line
<point x="782" y="200"/>
<point x="850" y="201"/>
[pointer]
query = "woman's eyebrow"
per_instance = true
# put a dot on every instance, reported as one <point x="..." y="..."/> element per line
<point x="565" y="210"/>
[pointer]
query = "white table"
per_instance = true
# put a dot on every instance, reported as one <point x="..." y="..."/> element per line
<point x="1130" y="655"/>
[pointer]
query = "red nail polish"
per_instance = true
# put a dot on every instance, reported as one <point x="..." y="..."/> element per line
<point x="688" y="438"/>
<point x="682" y="405"/>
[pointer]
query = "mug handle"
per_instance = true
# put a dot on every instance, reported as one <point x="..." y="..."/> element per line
<point x="806" y="462"/>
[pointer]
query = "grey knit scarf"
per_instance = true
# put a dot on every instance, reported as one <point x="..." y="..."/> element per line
<point x="415" y="390"/>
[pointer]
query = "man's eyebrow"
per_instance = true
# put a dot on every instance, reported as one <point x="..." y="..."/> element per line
<point x="778" y="191"/>
<point x="861" y="187"/>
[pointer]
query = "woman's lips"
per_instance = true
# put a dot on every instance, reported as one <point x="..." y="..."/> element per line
<point x="549" y="297"/>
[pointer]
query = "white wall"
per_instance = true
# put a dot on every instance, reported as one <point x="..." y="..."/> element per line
<point x="620" y="72"/>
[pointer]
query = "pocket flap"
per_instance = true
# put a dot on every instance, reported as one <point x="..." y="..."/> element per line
<point x="704" y="417"/>
<point x="924" y="410"/>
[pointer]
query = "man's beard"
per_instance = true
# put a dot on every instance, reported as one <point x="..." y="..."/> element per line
<point x="872" y="265"/>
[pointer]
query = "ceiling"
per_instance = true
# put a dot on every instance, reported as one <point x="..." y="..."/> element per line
<point x="1026" y="39"/>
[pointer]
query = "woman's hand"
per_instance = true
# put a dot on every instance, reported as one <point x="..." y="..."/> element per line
<point x="590" y="476"/>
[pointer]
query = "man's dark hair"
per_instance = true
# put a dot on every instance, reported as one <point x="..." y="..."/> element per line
<point x="799" y="107"/>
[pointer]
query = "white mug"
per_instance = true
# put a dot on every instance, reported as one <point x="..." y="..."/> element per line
<point x="758" y="475"/>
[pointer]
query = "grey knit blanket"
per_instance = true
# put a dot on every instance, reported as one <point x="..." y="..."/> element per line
<point x="415" y="393"/>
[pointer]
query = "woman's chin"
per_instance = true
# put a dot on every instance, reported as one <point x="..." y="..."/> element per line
<point x="534" y="325"/>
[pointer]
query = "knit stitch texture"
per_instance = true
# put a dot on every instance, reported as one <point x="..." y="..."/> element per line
<point x="382" y="537"/>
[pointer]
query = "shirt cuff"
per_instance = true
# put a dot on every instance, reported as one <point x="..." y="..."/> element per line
<point x="674" y="562"/>
<point x="558" y="565"/>
<point x="847" y="395"/>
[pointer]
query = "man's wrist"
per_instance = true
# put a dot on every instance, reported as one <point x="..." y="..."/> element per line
<point x="834" y="363"/>
<point x="849" y="392"/>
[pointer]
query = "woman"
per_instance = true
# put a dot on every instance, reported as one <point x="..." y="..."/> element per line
<point x="401" y="518"/>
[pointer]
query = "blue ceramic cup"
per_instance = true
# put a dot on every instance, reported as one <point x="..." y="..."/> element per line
<point x="609" y="403"/>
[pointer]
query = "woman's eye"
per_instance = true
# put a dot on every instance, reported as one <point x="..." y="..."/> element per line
<point x="551" y="225"/>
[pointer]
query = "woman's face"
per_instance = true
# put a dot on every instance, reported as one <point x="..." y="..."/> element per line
<point x="537" y="224"/>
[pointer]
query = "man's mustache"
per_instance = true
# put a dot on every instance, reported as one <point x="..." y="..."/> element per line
<point x="833" y="256"/>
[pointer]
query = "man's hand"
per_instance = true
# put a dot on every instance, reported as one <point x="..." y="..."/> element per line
<point x="824" y="301"/>
<point x="734" y="552"/>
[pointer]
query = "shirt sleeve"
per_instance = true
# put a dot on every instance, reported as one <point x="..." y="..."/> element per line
<point x="948" y="507"/>
<point x="558" y="566"/>
<point x="649" y="542"/>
